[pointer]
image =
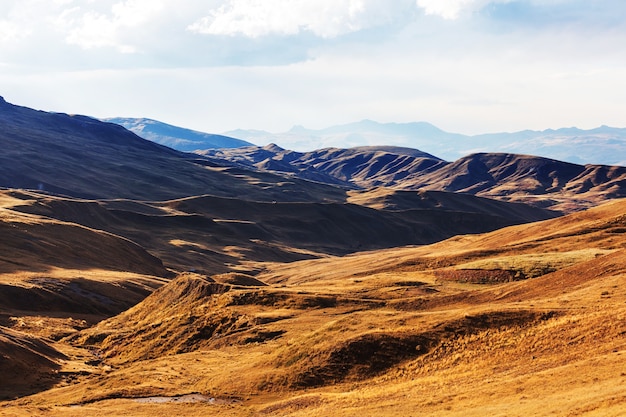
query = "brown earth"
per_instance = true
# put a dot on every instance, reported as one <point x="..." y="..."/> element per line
<point x="27" y="364"/>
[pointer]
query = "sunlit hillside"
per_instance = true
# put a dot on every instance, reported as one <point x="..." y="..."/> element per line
<point x="391" y="332"/>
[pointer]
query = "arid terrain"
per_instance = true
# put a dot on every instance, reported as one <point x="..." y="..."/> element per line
<point x="527" y="320"/>
<point x="136" y="280"/>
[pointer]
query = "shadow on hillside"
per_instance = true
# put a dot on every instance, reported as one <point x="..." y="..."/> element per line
<point x="14" y="385"/>
<point x="28" y="364"/>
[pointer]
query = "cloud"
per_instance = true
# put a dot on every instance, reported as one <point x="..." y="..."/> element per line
<point x="465" y="65"/>
<point x="92" y="29"/>
<point x="18" y="18"/>
<point x="9" y="31"/>
<point x="323" y="18"/>
<point x="448" y="9"/>
<point x="452" y="9"/>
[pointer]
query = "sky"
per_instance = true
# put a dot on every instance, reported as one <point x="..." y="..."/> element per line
<point x="466" y="66"/>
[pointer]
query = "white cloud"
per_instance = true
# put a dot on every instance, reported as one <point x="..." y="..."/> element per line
<point x="452" y="9"/>
<point x="448" y="9"/>
<point x="92" y="29"/>
<point x="18" y="20"/>
<point x="324" y="18"/>
<point x="470" y="66"/>
<point x="10" y="31"/>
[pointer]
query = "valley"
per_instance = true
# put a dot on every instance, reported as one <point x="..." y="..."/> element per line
<point x="139" y="280"/>
<point x="379" y="332"/>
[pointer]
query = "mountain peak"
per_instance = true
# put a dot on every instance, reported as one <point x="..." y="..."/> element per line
<point x="298" y="130"/>
<point x="272" y="147"/>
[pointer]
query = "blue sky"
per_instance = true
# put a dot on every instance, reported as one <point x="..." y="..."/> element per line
<point x="467" y="66"/>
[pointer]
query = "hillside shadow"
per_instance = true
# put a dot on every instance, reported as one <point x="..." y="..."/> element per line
<point x="28" y="365"/>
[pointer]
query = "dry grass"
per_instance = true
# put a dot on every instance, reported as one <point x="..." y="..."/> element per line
<point x="517" y="267"/>
<point x="370" y="334"/>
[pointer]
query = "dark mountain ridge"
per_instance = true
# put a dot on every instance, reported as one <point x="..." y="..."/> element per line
<point x="536" y="180"/>
<point x="524" y="178"/>
<point x="83" y="157"/>
<point x="360" y="167"/>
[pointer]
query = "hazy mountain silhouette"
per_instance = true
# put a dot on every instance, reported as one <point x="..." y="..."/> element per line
<point x="179" y="138"/>
<point x="602" y="145"/>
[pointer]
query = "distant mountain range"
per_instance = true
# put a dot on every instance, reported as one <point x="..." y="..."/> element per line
<point x="83" y="157"/>
<point x="179" y="138"/>
<point x="603" y="145"/>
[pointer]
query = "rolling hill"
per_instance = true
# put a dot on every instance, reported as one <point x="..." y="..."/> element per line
<point x="95" y="218"/>
<point x="361" y="167"/>
<point x="31" y="243"/>
<point x="216" y="234"/>
<point x="543" y="182"/>
<point x="534" y="180"/>
<point x="191" y="210"/>
<point x="31" y="366"/>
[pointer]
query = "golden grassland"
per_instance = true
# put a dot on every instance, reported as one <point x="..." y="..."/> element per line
<point x="374" y="333"/>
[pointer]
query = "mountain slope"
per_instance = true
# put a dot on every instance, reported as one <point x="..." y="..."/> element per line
<point x="540" y="181"/>
<point x="35" y="243"/>
<point x="204" y="214"/>
<point x="502" y="174"/>
<point x="529" y="319"/>
<point x="66" y="270"/>
<point x="83" y="157"/>
<point x="535" y="180"/>
<point x="181" y="139"/>
<point x="366" y="166"/>
<point x="33" y="365"/>
<point x="600" y="228"/>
